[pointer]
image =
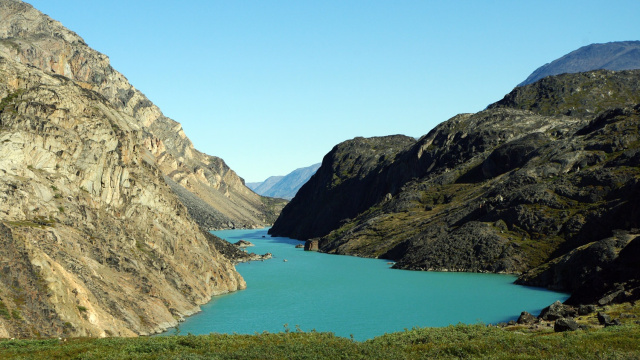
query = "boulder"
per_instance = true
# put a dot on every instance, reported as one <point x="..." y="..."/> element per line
<point x="614" y="322"/>
<point x="604" y="319"/>
<point x="526" y="318"/>
<point x="311" y="245"/>
<point x="556" y="311"/>
<point x="586" y="309"/>
<point x="565" y="324"/>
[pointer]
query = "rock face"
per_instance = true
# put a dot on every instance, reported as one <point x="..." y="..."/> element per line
<point x="94" y="240"/>
<point x="311" y="245"/>
<point x="544" y="182"/>
<point x="214" y="195"/>
<point x="562" y="325"/>
<point x="285" y="187"/>
<point x="95" y="243"/>
<point x="340" y="188"/>
<point x="619" y="55"/>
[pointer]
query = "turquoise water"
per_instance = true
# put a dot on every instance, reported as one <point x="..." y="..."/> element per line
<point x="354" y="296"/>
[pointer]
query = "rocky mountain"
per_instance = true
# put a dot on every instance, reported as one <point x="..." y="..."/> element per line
<point x="261" y="187"/>
<point x="544" y="183"/>
<point x="285" y="187"/>
<point x="340" y="188"/>
<point x="96" y="188"/>
<point x="95" y="243"/>
<point x="617" y="55"/>
<point x="221" y="200"/>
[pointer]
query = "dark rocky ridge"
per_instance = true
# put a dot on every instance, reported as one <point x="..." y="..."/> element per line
<point x="508" y="189"/>
<point x="579" y="95"/>
<point x="618" y="55"/>
<point x="342" y="174"/>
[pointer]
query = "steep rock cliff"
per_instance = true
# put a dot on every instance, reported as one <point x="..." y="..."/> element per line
<point x="340" y="189"/>
<point x="28" y="36"/>
<point x="94" y="241"/>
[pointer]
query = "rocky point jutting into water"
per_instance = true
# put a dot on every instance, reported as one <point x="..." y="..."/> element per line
<point x="96" y="191"/>
<point x="545" y="182"/>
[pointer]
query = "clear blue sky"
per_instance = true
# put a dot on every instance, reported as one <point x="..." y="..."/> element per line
<point x="271" y="86"/>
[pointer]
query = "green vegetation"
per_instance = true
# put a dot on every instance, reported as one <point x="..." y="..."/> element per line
<point x="273" y="207"/>
<point x="4" y="312"/>
<point x="38" y="222"/>
<point x="460" y="341"/>
<point x="9" y="99"/>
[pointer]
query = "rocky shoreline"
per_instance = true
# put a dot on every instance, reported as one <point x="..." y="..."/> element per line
<point x="235" y="252"/>
<point x="560" y="317"/>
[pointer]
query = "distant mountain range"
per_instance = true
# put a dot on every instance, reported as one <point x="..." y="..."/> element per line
<point x="284" y="187"/>
<point x="619" y="55"/>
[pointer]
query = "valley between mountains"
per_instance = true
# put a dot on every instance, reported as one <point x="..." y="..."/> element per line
<point x="106" y="206"/>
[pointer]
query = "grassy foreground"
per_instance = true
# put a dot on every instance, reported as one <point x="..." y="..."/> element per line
<point x="460" y="341"/>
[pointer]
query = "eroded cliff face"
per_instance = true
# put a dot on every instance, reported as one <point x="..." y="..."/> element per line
<point x="94" y="242"/>
<point x="549" y="172"/>
<point x="221" y="198"/>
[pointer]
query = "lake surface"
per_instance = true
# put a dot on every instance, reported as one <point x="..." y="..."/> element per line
<point x="355" y="296"/>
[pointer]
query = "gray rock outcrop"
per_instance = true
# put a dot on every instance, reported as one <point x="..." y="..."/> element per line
<point x="563" y="324"/>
